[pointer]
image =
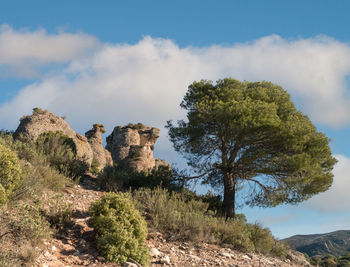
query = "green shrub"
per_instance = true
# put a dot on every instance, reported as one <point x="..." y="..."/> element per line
<point x="280" y="249"/>
<point x="172" y="213"/>
<point x="331" y="261"/>
<point x="120" y="230"/>
<point x="214" y="202"/>
<point x="136" y="126"/>
<point x="26" y="177"/>
<point x="95" y="167"/>
<point x="186" y="217"/>
<point x="113" y="178"/>
<point x="261" y="238"/>
<point x="121" y="177"/>
<point x="56" y="143"/>
<point x="25" y="148"/>
<point x="10" y="172"/>
<point x="232" y="233"/>
<point x="38" y="111"/>
<point x="38" y="177"/>
<point x="60" y="151"/>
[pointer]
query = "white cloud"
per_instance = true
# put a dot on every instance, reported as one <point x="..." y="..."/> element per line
<point x="145" y="82"/>
<point x="23" y="52"/>
<point x="337" y="198"/>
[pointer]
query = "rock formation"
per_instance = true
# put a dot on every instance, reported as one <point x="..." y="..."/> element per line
<point x="44" y="121"/>
<point x="133" y="144"/>
<point x="100" y="154"/>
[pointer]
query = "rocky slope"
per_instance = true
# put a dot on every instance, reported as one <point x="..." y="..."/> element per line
<point x="74" y="245"/>
<point x="335" y="243"/>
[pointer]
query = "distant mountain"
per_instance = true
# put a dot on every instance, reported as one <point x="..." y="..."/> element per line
<point x="335" y="243"/>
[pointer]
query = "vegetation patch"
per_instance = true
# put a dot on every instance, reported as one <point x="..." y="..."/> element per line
<point x="120" y="230"/>
<point x="37" y="111"/>
<point x="331" y="260"/>
<point x="60" y="152"/>
<point x="10" y="172"/>
<point x="121" y="178"/>
<point x="95" y="167"/>
<point x="21" y="229"/>
<point x="189" y="219"/>
<point x="32" y="189"/>
<point x="136" y="126"/>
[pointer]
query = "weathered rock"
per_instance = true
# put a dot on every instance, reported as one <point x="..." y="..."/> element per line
<point x="165" y="260"/>
<point x="131" y="263"/>
<point x="154" y="252"/>
<point x="298" y="257"/>
<point x="225" y="254"/>
<point x="133" y="145"/>
<point x="101" y="155"/>
<point x="44" y="121"/>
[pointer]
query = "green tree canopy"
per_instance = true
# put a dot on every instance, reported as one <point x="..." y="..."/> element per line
<point x="240" y="133"/>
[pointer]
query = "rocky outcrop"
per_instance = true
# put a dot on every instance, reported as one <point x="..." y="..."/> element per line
<point x="101" y="156"/>
<point x="133" y="144"/>
<point x="44" y="121"/>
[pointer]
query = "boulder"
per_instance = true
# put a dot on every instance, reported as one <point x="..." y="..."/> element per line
<point x="100" y="154"/>
<point x="42" y="121"/>
<point x="133" y="144"/>
<point x="298" y="258"/>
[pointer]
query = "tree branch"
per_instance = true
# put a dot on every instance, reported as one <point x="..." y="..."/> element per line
<point x="184" y="178"/>
<point x="260" y="184"/>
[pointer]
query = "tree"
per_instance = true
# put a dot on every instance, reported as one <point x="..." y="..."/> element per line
<point x="250" y="133"/>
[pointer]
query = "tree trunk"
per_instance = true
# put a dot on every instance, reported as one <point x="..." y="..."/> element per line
<point x="229" y="195"/>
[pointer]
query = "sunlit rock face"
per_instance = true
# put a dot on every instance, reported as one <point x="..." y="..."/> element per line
<point x="101" y="156"/>
<point x="45" y="121"/>
<point x="133" y="144"/>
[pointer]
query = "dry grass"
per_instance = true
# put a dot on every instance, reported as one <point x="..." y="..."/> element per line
<point x="189" y="220"/>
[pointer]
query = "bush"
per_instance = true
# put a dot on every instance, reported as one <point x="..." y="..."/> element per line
<point x="136" y="126"/>
<point x="24" y="147"/>
<point x="37" y="111"/>
<point x="172" y="213"/>
<point x="120" y="230"/>
<point x="113" y="178"/>
<point x="330" y="261"/>
<point x="10" y="172"/>
<point x="121" y="177"/>
<point x="60" y="151"/>
<point x="27" y="181"/>
<point x="232" y="233"/>
<point x="215" y="205"/>
<point x="95" y="167"/>
<point x="187" y="218"/>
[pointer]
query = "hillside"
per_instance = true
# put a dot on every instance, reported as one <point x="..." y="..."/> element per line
<point x="75" y="245"/>
<point x="65" y="200"/>
<point x="335" y="243"/>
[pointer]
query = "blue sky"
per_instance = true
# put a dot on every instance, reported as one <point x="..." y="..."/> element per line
<point x="127" y="61"/>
